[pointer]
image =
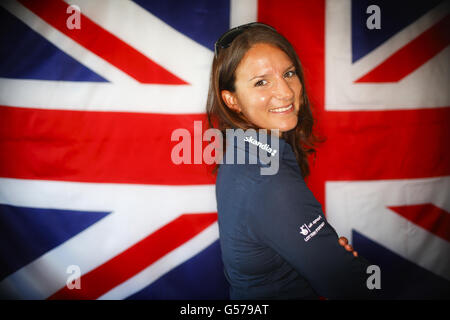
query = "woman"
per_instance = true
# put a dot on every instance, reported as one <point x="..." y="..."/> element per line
<point x="275" y="240"/>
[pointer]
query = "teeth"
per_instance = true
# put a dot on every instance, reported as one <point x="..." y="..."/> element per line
<point x="281" y="109"/>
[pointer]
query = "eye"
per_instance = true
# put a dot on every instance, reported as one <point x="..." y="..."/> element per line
<point x="260" y="83"/>
<point x="290" y="74"/>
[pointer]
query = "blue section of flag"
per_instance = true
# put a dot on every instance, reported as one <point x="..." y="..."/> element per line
<point x="200" y="277"/>
<point x="400" y="278"/>
<point x="202" y="20"/>
<point x="27" y="233"/>
<point x="25" y="54"/>
<point x="395" y="15"/>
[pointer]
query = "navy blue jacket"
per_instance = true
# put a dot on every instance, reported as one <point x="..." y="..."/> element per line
<point x="274" y="237"/>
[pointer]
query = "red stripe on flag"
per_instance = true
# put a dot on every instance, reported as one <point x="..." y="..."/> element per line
<point x="103" y="43"/>
<point x="397" y="144"/>
<point x="138" y="257"/>
<point x="306" y="32"/>
<point x="412" y="55"/>
<point x="92" y="146"/>
<point x="427" y="216"/>
<point x="361" y="145"/>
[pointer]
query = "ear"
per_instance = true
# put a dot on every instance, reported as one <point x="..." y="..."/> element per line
<point x="230" y="100"/>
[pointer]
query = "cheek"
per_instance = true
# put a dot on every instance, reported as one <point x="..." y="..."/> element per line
<point x="255" y="101"/>
<point x="297" y="88"/>
<point x="300" y="87"/>
<point x="263" y="99"/>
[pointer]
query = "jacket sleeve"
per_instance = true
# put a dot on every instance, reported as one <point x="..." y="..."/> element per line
<point x="286" y="217"/>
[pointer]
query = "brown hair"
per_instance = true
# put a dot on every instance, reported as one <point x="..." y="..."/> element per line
<point x="301" y="138"/>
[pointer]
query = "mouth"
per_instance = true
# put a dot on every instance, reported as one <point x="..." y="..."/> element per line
<point x="286" y="109"/>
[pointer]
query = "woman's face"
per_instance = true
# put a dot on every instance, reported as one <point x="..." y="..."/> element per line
<point x="267" y="88"/>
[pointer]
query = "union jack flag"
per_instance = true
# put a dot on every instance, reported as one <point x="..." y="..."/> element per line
<point x="89" y="195"/>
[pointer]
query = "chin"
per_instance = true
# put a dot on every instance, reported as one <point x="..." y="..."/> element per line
<point x="287" y="125"/>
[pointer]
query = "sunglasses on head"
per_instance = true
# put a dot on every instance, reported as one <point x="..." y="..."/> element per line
<point x="227" y="38"/>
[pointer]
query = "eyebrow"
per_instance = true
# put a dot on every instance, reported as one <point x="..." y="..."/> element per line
<point x="263" y="75"/>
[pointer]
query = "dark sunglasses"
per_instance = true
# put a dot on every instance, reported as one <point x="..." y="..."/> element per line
<point x="227" y="38"/>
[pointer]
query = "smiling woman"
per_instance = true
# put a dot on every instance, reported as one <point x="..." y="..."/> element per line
<point x="274" y="237"/>
<point x="257" y="82"/>
<point x="267" y="88"/>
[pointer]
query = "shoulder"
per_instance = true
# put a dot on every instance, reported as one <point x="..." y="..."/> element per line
<point x="243" y="174"/>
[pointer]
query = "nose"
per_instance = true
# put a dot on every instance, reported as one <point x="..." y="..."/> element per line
<point x="283" y="91"/>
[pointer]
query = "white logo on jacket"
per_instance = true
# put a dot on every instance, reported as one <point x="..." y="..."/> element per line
<point x="305" y="229"/>
<point x="264" y="146"/>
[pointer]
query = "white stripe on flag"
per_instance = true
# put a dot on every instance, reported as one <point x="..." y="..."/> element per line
<point x="157" y="40"/>
<point x="136" y="212"/>
<point x="397" y="41"/>
<point x="425" y="87"/>
<point x="243" y="11"/>
<point x="71" y="95"/>
<point x="165" y="264"/>
<point x="363" y="206"/>
<point x="67" y="45"/>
